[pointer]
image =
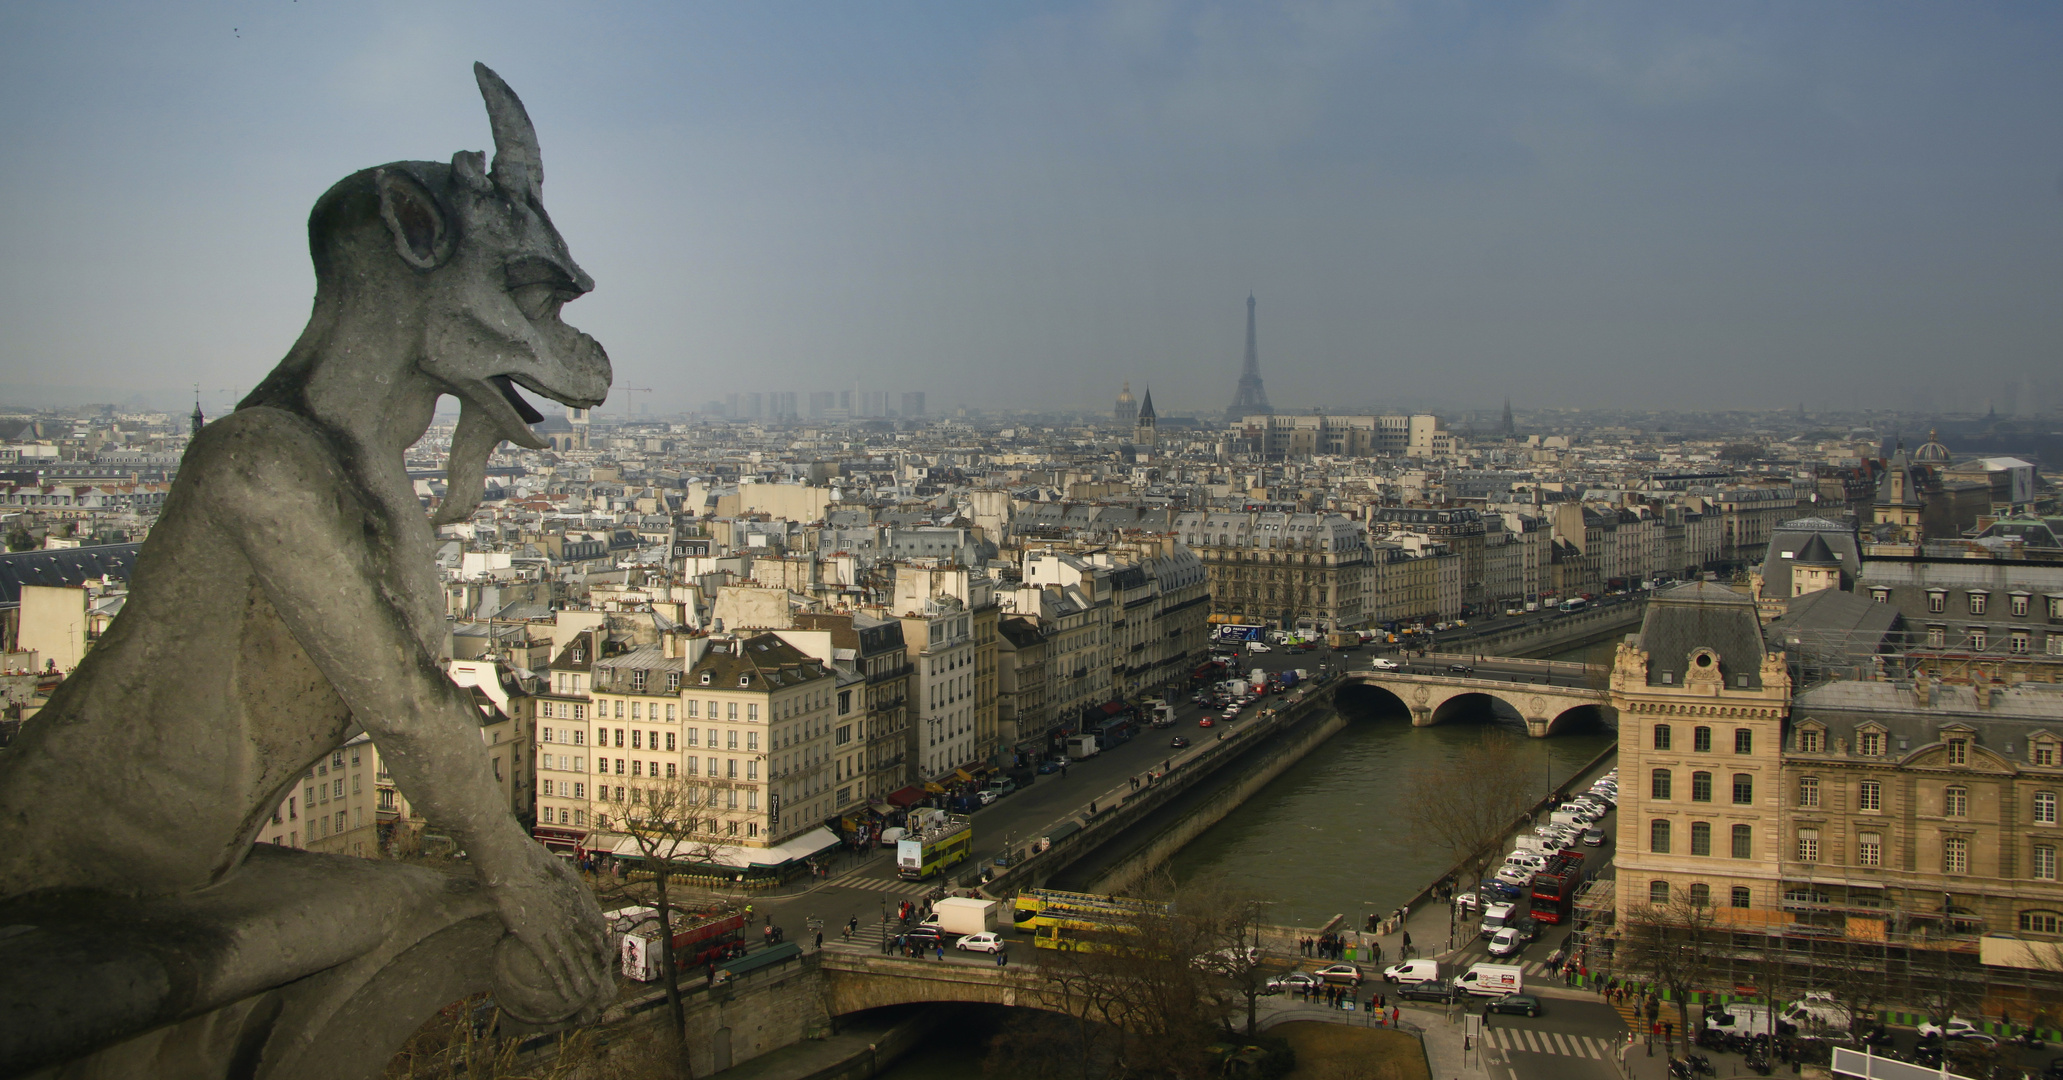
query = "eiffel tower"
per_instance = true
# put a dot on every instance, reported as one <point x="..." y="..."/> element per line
<point x="1252" y="399"/>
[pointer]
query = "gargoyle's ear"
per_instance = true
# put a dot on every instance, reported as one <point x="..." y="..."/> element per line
<point x="421" y="235"/>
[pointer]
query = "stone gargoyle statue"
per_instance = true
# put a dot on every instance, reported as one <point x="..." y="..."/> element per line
<point x="286" y="599"/>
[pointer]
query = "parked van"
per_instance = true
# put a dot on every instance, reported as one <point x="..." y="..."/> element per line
<point x="1492" y="980"/>
<point x="1526" y="860"/>
<point x="1744" y="1018"/>
<point x="1081" y="747"/>
<point x="1537" y="844"/>
<point x="1818" y="1011"/>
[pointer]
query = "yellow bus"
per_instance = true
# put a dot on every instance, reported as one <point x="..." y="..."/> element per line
<point x="1069" y="920"/>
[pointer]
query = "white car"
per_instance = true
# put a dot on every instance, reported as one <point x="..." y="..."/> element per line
<point x="1255" y="646"/>
<point x="1507" y="942"/>
<point x="988" y="943"/>
<point x="1956" y="1028"/>
<point x="986" y="796"/>
<point x="1384" y="663"/>
<point x="1516" y="875"/>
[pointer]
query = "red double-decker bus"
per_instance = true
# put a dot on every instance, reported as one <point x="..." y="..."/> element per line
<point x="1554" y="887"/>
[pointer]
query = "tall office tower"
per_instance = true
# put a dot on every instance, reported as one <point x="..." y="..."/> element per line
<point x="913" y="403"/>
<point x="753" y="405"/>
<point x="1252" y="398"/>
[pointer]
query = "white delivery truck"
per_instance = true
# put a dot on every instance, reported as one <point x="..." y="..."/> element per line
<point x="1080" y="747"/>
<point x="965" y="915"/>
<point x="1492" y="980"/>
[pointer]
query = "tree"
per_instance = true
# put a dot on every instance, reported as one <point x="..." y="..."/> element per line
<point x="19" y="539"/>
<point x="1672" y="944"/>
<point x="1145" y="988"/>
<point x="1467" y="803"/>
<point x="674" y="827"/>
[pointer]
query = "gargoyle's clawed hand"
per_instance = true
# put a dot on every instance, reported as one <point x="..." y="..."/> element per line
<point x="556" y="963"/>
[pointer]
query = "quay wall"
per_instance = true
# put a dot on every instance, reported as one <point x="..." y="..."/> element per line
<point x="1549" y="635"/>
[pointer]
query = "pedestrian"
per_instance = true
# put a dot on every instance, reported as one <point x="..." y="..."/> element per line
<point x="1092" y="808"/>
<point x="1393" y="1016"/>
<point x="941" y="951"/>
<point x="820" y="941"/>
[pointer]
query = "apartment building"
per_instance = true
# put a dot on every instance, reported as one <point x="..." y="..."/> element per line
<point x="1292" y="570"/>
<point x="940" y="639"/>
<point x="873" y="649"/>
<point x="346" y="805"/>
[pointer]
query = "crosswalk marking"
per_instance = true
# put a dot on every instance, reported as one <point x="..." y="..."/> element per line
<point x="1547" y="1042"/>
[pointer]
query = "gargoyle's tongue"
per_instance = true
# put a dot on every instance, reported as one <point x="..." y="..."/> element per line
<point x="524" y="409"/>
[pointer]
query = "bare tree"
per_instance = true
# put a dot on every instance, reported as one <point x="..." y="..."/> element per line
<point x="674" y="825"/>
<point x="1466" y="804"/>
<point x="1671" y="943"/>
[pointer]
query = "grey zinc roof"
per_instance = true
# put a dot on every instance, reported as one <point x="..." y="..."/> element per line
<point x="1702" y="614"/>
<point x="1793" y="536"/>
<point x="63" y="567"/>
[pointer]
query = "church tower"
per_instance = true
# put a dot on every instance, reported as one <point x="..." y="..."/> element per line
<point x="1146" y="429"/>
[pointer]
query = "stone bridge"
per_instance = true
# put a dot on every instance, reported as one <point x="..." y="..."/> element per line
<point x="860" y="979"/>
<point x="1547" y="694"/>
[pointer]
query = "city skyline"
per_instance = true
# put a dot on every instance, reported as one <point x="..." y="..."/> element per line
<point x="1574" y="205"/>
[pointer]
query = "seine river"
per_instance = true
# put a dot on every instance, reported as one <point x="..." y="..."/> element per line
<point x="1329" y="836"/>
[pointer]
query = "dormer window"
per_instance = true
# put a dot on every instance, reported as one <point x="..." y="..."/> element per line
<point x="705" y="678"/>
<point x="745" y="680"/>
<point x="578" y="655"/>
<point x="1978" y="601"/>
<point x="1881" y="595"/>
<point x="1959" y="751"/>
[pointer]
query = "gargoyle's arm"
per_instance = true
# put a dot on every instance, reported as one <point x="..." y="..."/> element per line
<point x="279" y="491"/>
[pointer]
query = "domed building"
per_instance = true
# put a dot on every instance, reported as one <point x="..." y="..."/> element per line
<point x="1127" y="411"/>
<point x="1931" y="452"/>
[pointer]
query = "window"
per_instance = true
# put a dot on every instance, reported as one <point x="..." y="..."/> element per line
<point x="2018" y="642"/>
<point x="1808" y="741"/>
<point x="2020" y="605"/>
<point x="1658" y="836"/>
<point x="1808" y="791"/>
<point x="1658" y="784"/>
<point x="1658" y="892"/>
<point x="1881" y="596"/>
<point x="1869" y="849"/>
<point x="1739" y="897"/>
<point x="1955" y="855"/>
<point x="669" y="739"/>
<point x="1743" y="741"/>
<point x="545" y="735"/>
<point x="2044" y="808"/>
<point x="1977" y="603"/>
<point x="1743" y="789"/>
<point x="1701" y="895"/>
<point x="730" y="768"/>
<point x="1701" y="787"/>
<point x="751" y="712"/>
<point x="1955" y="801"/>
<point x="730" y="739"/>
<point x="2040" y="922"/>
<point x="731" y="710"/>
<point x="1980" y="638"/>
<point x="1959" y="751"/>
<point x="637" y="739"/>
<point x="1701" y="740"/>
<point x="670" y="767"/>
<point x="1937" y="637"/>
<point x="1870" y="744"/>
<point x="2045" y="862"/>
<point x="1937" y="600"/>
<point x="1808" y="845"/>
<point x="1743" y="842"/>
<point x="1701" y="838"/>
<point x="2045" y="754"/>
<point x="694" y="710"/>
<point x="1661" y="736"/>
<point x="1869" y="795"/>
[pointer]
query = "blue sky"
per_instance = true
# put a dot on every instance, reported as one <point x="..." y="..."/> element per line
<point x="1438" y="204"/>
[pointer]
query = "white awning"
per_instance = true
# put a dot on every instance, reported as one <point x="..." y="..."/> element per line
<point x="721" y="854"/>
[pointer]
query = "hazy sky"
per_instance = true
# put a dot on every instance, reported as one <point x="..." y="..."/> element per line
<point x="1023" y="204"/>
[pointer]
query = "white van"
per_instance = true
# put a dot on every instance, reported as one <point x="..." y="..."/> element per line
<point x="1492" y="980"/>
<point x="1536" y="844"/>
<point x="1496" y="917"/>
<point x="1743" y="1018"/>
<point x="1817" y="1011"/>
<point x="1526" y="860"/>
<point x="1413" y="971"/>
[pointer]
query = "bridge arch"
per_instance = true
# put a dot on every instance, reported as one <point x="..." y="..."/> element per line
<point x="1583" y="717"/>
<point x="1474" y="704"/>
<point x="1437" y="699"/>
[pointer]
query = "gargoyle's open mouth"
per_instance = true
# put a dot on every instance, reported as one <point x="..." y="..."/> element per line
<point x="523" y="408"/>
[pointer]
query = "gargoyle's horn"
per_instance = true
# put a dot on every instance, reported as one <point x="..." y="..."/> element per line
<point x="518" y="168"/>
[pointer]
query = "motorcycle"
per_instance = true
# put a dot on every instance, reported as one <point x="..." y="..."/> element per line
<point x="1758" y="1063"/>
<point x="1699" y="1064"/>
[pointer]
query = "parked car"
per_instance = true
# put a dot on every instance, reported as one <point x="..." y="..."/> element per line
<point x="1384" y="663"/>
<point x="1004" y="786"/>
<point x="987" y="796"/>
<point x="1515" y="875"/>
<point x="1956" y="1028"/>
<point x="1048" y="767"/>
<point x="1178" y="743"/>
<point x="926" y="934"/>
<point x="1502" y="890"/>
<point x="1593" y="837"/>
<point x="1440" y="990"/>
<point x="1515" y="1004"/>
<point x="988" y="943"/>
<point x="1341" y="973"/>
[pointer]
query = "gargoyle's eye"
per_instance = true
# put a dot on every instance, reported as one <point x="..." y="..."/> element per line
<point x="538" y="287"/>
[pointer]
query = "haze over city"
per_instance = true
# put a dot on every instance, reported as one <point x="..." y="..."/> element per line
<point x="1438" y="205"/>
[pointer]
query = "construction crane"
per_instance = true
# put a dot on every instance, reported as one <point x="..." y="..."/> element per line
<point x="627" y="391"/>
